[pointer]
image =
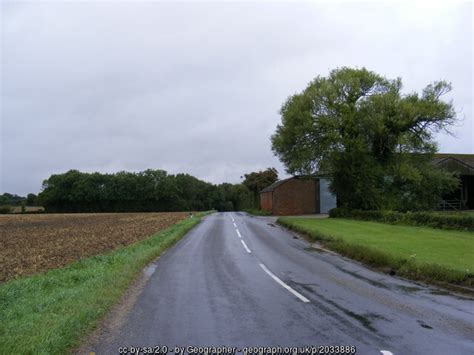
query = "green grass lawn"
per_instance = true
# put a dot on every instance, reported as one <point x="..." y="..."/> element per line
<point x="49" y="313"/>
<point x="397" y="246"/>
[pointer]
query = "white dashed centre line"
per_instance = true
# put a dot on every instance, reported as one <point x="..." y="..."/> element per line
<point x="245" y="246"/>
<point x="235" y="225"/>
<point x="238" y="233"/>
<point x="281" y="283"/>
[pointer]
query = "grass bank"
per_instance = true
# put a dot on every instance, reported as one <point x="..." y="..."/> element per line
<point x="257" y="212"/>
<point x="419" y="253"/>
<point x="49" y="313"/>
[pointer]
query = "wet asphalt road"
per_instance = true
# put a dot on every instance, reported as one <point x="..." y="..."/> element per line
<point x="209" y="290"/>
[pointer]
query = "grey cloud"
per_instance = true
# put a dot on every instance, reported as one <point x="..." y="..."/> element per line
<point x="196" y="88"/>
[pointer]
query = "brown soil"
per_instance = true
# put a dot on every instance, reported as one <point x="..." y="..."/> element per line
<point x="34" y="243"/>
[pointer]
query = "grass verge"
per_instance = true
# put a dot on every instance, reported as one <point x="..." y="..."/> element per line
<point x="49" y="313"/>
<point x="418" y="253"/>
<point x="257" y="212"/>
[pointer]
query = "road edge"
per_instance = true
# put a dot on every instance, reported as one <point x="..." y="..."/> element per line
<point x="458" y="290"/>
<point x="114" y="318"/>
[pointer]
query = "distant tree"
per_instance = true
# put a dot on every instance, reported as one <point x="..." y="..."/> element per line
<point x="232" y="197"/>
<point x="9" y="199"/>
<point x="375" y="142"/>
<point x="241" y="197"/>
<point x="257" y="181"/>
<point x="31" y="199"/>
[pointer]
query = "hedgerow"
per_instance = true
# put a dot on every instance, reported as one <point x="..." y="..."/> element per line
<point x="461" y="222"/>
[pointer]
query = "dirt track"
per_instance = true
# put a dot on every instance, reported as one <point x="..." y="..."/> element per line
<point x="36" y="243"/>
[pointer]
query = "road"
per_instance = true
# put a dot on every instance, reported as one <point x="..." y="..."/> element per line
<point x="238" y="280"/>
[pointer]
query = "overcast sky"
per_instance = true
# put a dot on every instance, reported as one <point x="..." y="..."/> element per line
<point x="196" y="88"/>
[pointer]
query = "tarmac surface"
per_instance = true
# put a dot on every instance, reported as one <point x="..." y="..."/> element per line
<point x="242" y="281"/>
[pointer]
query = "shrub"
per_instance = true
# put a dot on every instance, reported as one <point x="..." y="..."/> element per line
<point x="338" y="212"/>
<point x="5" y="209"/>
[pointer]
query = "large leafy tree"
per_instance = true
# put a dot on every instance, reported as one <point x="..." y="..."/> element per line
<point x="376" y="142"/>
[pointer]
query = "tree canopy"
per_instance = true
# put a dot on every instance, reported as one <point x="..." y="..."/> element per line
<point x="257" y="181"/>
<point x="375" y="142"/>
<point x="7" y="199"/>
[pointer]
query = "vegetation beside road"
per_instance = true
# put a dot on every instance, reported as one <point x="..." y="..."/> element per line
<point x="455" y="213"/>
<point x="418" y="253"/>
<point x="463" y="221"/>
<point x="257" y="212"/>
<point x="49" y="313"/>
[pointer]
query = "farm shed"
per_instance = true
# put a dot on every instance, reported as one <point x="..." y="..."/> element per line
<point x="463" y="164"/>
<point x="298" y="195"/>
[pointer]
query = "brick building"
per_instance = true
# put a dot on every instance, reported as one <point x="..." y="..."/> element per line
<point x="298" y="195"/>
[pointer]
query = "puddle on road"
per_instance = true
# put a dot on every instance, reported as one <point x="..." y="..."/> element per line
<point x="365" y="319"/>
<point x="360" y="277"/>
<point x="315" y="249"/>
<point x="408" y="288"/>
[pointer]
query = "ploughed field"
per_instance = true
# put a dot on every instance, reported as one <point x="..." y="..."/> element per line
<point x="34" y="243"/>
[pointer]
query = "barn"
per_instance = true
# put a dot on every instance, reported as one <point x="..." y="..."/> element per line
<point x="463" y="165"/>
<point x="298" y="195"/>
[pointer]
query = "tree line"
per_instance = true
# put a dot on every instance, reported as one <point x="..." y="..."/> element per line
<point x="148" y="191"/>
<point x="7" y="199"/>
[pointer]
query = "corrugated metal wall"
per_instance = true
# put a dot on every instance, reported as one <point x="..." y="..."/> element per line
<point x="327" y="198"/>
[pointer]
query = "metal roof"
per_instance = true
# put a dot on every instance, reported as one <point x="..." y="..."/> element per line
<point x="463" y="164"/>
<point x="467" y="159"/>
<point x="273" y="186"/>
<point x="278" y="183"/>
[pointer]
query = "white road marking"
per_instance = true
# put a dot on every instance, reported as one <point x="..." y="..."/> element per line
<point x="238" y="233"/>
<point x="386" y="352"/>
<point x="245" y="246"/>
<point x="235" y="225"/>
<point x="281" y="283"/>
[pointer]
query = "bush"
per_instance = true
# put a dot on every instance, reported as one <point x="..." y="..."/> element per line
<point x="338" y="212"/>
<point x="427" y="219"/>
<point x="5" y="209"/>
<point x="430" y="219"/>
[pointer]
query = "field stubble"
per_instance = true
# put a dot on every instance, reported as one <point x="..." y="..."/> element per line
<point x="35" y="243"/>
